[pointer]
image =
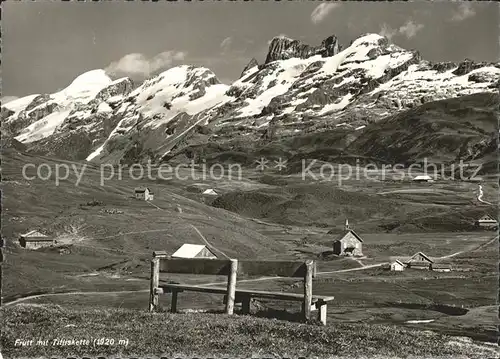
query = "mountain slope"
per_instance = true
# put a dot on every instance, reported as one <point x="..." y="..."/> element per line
<point x="464" y="128"/>
<point x="445" y="131"/>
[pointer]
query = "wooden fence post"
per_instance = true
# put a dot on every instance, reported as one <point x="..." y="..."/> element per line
<point x="308" y="289"/>
<point x="231" y="286"/>
<point x="155" y="281"/>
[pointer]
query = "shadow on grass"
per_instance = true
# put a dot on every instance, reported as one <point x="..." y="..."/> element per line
<point x="269" y="313"/>
<point x="442" y="308"/>
<point x="278" y="314"/>
<point x="327" y="255"/>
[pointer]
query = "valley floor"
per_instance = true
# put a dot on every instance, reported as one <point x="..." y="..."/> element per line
<point x="105" y="271"/>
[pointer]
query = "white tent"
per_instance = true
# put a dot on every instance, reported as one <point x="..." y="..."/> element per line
<point x="193" y="251"/>
<point x="423" y="178"/>
<point x="210" y="192"/>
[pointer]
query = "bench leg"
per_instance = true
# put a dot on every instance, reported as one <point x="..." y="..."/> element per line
<point x="306" y="307"/>
<point x="173" y="303"/>
<point x="322" y="313"/>
<point x="153" y="300"/>
<point x="231" y="286"/>
<point x="245" y="305"/>
<point x="154" y="282"/>
<point x="303" y="310"/>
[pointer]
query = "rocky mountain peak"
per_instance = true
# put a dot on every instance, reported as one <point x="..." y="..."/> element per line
<point x="283" y="48"/>
<point x="253" y="62"/>
<point x="330" y="46"/>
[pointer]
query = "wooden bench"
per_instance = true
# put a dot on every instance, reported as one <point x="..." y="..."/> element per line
<point x="161" y="263"/>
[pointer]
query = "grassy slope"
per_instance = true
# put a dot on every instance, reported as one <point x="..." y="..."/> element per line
<point x="441" y="131"/>
<point x="198" y="334"/>
<point x="374" y="205"/>
<point x="57" y="210"/>
<point x="99" y="240"/>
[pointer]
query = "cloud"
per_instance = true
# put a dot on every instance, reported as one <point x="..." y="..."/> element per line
<point x="463" y="12"/>
<point x="321" y="12"/>
<point x="387" y="31"/>
<point x="233" y="48"/>
<point x="137" y="65"/>
<point x="6" y="99"/>
<point x="226" y="43"/>
<point x="410" y="29"/>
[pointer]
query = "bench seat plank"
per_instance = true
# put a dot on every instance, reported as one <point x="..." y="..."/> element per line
<point x="280" y="295"/>
<point x="167" y="288"/>
<point x="243" y="292"/>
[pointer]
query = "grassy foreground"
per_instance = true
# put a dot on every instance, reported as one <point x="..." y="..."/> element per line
<point x="214" y="335"/>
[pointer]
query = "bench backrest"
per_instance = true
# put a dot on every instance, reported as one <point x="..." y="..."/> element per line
<point x="294" y="269"/>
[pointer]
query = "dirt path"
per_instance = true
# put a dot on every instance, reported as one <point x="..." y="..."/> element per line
<point x="484" y="244"/>
<point x="480" y="196"/>
<point x="19" y="300"/>
<point x="358" y="261"/>
<point x="207" y="243"/>
<point x="417" y="190"/>
<point x="137" y="232"/>
<point x="197" y="231"/>
<point x="265" y="223"/>
<point x="317" y="273"/>
<point x="353" y="269"/>
<point x="451" y="255"/>
<point x="152" y="204"/>
<point x="475" y="248"/>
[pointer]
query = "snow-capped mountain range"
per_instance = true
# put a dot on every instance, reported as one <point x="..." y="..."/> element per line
<point x="298" y="88"/>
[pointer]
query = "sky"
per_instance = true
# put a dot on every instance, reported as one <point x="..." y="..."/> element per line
<point x="45" y="45"/>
